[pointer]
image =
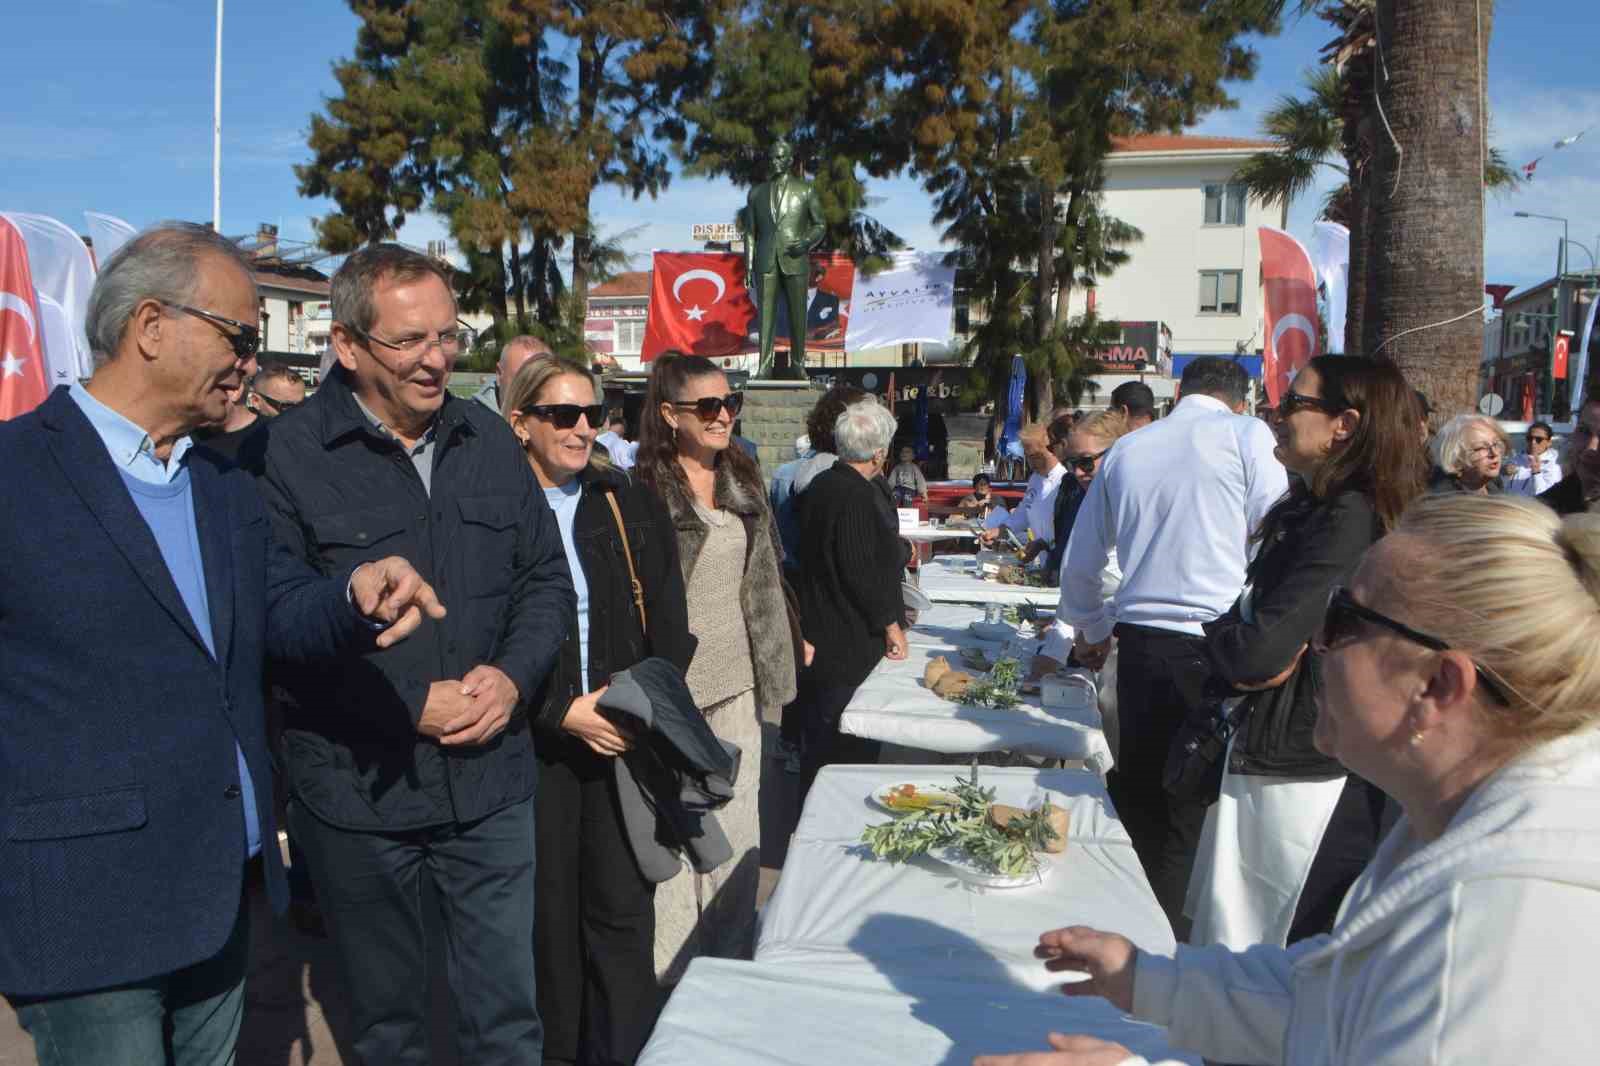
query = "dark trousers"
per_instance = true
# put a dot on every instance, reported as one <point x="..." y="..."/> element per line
<point x="821" y="706"/>
<point x="1161" y="678"/>
<point x="187" y="1018"/>
<point x="794" y="294"/>
<point x="594" y="928"/>
<point x="369" y="885"/>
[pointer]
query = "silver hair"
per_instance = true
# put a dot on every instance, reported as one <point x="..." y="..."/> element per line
<point x="162" y="263"/>
<point x="864" y="429"/>
<point x="1450" y="449"/>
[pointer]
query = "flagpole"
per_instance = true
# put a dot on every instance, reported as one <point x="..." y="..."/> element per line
<point x="216" y="134"/>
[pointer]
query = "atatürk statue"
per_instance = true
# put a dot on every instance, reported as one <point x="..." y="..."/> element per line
<point x="782" y="223"/>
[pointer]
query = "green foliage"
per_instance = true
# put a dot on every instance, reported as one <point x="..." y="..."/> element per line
<point x="999" y="689"/>
<point x="1011" y="851"/>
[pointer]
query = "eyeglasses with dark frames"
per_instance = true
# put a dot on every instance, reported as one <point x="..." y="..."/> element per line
<point x="1294" y="401"/>
<point x="1084" y="464"/>
<point x="246" y="341"/>
<point x="566" y="415"/>
<point x="1537" y="440"/>
<point x="278" y="405"/>
<point x="709" y="408"/>
<point x="1342" y="623"/>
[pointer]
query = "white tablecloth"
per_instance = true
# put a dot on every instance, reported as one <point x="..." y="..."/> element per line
<point x="837" y="910"/>
<point x="929" y="533"/>
<point x="893" y="705"/>
<point x="727" y="1013"/>
<point x="860" y="962"/>
<point x="951" y="579"/>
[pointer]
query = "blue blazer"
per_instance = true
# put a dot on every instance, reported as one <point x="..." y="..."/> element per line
<point x="122" y="841"/>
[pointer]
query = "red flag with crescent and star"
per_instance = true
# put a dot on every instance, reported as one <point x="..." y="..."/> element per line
<point x="698" y="305"/>
<point x="1288" y="309"/>
<point x="23" y="384"/>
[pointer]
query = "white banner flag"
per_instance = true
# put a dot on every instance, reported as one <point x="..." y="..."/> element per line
<point x="913" y="300"/>
<point x="1330" y="259"/>
<point x="108" y="233"/>
<point x="62" y="272"/>
<point x="1578" y="370"/>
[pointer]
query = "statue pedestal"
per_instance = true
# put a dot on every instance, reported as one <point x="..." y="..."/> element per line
<point x="774" y="415"/>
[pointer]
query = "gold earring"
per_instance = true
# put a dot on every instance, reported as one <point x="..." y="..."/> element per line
<point x="1416" y="739"/>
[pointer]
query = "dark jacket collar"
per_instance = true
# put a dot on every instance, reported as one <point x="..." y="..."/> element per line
<point x="341" y="415"/>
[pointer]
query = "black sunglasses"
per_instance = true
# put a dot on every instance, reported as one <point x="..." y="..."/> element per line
<point x="566" y="415"/>
<point x="1342" y="623"/>
<point x="246" y="342"/>
<point x="1084" y="464"/>
<point x="278" y="405"/>
<point x="1537" y="440"/>
<point x="1293" y="401"/>
<point x="709" y="407"/>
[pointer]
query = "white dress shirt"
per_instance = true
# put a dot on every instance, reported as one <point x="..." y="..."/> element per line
<point x="1037" y="511"/>
<point x="1526" y="483"/>
<point x="1177" y="501"/>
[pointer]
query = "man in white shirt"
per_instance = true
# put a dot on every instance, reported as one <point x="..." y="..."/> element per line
<point x="1036" y="512"/>
<point x="1178" y="501"/>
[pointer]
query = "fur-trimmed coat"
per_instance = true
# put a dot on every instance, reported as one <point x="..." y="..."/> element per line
<point x="761" y="593"/>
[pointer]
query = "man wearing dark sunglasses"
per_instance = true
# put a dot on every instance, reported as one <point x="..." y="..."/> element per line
<point x="1537" y="469"/>
<point x="142" y="593"/>
<point x="274" y="390"/>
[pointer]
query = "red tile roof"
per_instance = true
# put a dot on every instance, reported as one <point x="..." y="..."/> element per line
<point x="1183" y="142"/>
<point x="632" y="283"/>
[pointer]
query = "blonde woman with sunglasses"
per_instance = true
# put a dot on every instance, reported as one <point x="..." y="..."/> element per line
<point x="1468" y="938"/>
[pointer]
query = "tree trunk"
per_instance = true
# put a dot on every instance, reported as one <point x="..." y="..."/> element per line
<point x="1425" y="256"/>
<point x="1043" y="380"/>
<point x="517" y="287"/>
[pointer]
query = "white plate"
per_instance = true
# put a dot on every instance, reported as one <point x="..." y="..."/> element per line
<point x="880" y="795"/>
<point x="993" y="632"/>
<point x="957" y="859"/>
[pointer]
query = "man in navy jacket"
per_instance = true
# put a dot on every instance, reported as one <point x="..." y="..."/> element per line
<point x="142" y="591"/>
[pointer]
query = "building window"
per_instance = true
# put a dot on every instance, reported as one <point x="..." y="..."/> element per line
<point x="1219" y="292"/>
<point x="1225" y="205"/>
<point x="630" y="336"/>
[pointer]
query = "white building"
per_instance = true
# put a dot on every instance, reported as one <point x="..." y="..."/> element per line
<point x="1198" y="269"/>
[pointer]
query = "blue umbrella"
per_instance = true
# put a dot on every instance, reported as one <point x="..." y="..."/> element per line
<point x="1010" y="444"/>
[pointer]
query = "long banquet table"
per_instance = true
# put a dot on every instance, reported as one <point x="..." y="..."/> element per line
<point x="860" y="961"/>
<point x="953" y="579"/>
<point x="893" y="705"/>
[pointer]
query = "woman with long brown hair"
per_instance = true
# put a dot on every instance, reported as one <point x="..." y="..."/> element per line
<point x="1292" y="829"/>
<point x="743" y="670"/>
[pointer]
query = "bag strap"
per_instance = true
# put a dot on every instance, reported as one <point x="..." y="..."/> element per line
<point x="627" y="553"/>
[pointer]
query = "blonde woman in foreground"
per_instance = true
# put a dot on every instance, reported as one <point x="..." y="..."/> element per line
<point x="1469" y="939"/>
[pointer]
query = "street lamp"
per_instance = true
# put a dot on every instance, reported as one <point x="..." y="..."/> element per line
<point x="1561" y="260"/>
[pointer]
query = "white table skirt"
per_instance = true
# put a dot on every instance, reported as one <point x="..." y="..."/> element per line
<point x="929" y="533"/>
<point x="838" y="910"/>
<point x="893" y="705"/>
<point x="727" y="1013"/>
<point x="951" y="579"/>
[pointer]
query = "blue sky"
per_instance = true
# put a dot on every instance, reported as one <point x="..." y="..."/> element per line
<point x="111" y="111"/>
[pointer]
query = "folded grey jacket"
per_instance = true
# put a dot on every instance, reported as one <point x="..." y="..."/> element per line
<point x="676" y="774"/>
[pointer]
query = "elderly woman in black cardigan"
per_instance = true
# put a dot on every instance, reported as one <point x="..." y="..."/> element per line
<point x="851" y="561"/>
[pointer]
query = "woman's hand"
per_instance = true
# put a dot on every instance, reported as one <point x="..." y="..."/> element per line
<point x="1033" y="550"/>
<point x="1107" y="958"/>
<point x="894" y="640"/>
<point x="809" y="652"/>
<point x="1068" y="1051"/>
<point x="584" y="721"/>
<point x="1276" y="680"/>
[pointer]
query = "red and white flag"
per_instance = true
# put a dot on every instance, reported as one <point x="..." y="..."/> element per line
<point x="698" y="305"/>
<point x="1289" y="310"/>
<point x="1529" y="168"/>
<point x="23" y="382"/>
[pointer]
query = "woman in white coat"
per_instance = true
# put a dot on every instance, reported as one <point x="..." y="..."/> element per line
<point x="1469" y="937"/>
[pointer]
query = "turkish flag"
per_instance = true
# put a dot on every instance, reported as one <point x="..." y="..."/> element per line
<point x="23" y="385"/>
<point x="1289" y="310"/>
<point x="698" y="305"/>
<point x="1558" y="358"/>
